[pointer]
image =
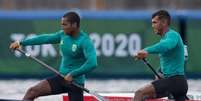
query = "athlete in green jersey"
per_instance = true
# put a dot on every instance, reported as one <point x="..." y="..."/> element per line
<point x="78" y="58"/>
<point x="171" y="53"/>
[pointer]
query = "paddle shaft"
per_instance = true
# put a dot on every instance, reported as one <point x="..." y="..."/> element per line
<point x="153" y="70"/>
<point x="99" y="97"/>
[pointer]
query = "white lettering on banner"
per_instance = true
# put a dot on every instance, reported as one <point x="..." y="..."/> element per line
<point x="35" y="50"/>
<point x="107" y="44"/>
<point x="118" y="45"/>
<point x="95" y="37"/>
<point x="134" y="44"/>
<point x="121" y="39"/>
<point x="17" y="37"/>
<point x="48" y="50"/>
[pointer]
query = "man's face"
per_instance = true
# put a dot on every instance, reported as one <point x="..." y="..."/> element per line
<point x="157" y="25"/>
<point x="67" y="26"/>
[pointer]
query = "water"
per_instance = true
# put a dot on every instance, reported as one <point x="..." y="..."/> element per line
<point x="15" y="89"/>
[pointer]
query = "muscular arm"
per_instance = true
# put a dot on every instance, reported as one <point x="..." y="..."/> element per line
<point x="164" y="45"/>
<point x="51" y="38"/>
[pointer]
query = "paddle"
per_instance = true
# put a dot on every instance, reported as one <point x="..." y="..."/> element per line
<point x="154" y="71"/>
<point x="12" y="100"/>
<point x="97" y="96"/>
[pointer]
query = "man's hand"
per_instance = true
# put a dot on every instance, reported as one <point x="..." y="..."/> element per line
<point x="15" y="45"/>
<point x="68" y="78"/>
<point x="141" y="54"/>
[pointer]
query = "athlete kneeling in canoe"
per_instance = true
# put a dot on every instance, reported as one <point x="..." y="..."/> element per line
<point x="78" y="58"/>
<point x="171" y="53"/>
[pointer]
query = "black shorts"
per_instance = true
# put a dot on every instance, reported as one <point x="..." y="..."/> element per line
<point x="58" y="86"/>
<point x="176" y="86"/>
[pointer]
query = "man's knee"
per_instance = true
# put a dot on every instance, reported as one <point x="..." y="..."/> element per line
<point x="31" y="93"/>
<point x="32" y="90"/>
<point x="139" y="92"/>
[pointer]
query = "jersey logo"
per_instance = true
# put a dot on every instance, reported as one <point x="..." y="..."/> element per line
<point x="61" y="42"/>
<point x="74" y="47"/>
